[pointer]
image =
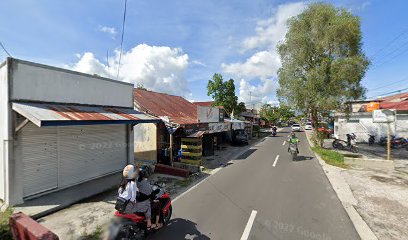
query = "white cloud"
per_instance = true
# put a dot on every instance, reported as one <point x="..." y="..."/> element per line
<point x="110" y="30"/>
<point x="264" y="63"/>
<point x="199" y="63"/>
<point x="256" y="94"/>
<point x="157" y="68"/>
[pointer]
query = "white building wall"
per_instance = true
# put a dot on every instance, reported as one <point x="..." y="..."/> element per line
<point x="3" y="129"/>
<point x="35" y="82"/>
<point x="145" y="142"/>
<point x="362" y="125"/>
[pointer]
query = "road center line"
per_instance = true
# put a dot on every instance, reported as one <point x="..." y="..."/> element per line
<point x="248" y="227"/>
<point x="276" y="160"/>
<point x="284" y="142"/>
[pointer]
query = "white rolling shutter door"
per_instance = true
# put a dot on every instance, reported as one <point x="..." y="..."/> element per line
<point x="37" y="148"/>
<point x="86" y="152"/>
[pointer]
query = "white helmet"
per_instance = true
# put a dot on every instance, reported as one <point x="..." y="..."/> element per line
<point x="129" y="172"/>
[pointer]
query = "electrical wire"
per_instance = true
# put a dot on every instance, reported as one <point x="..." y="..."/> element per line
<point x="5" y="50"/>
<point x="389" y="43"/>
<point x="392" y="83"/>
<point x="388" y="93"/>
<point x="121" y="42"/>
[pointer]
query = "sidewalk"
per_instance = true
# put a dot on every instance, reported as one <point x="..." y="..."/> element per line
<point x="95" y="213"/>
<point x="373" y="198"/>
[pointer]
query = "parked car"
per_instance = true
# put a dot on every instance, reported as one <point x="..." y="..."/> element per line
<point x="296" y="128"/>
<point x="326" y="129"/>
<point x="308" y="126"/>
<point x="240" y="137"/>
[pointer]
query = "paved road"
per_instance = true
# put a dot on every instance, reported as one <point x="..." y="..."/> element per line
<point x="284" y="199"/>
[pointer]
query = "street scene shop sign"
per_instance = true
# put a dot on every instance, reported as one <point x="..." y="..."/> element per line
<point x="383" y="116"/>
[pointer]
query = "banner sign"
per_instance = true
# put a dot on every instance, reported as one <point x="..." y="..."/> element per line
<point x="208" y="114"/>
<point x="383" y="116"/>
<point x="218" y="127"/>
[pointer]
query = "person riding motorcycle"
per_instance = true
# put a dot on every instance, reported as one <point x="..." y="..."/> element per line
<point x="128" y="189"/>
<point x="144" y="196"/>
<point x="293" y="140"/>
<point x="274" y="128"/>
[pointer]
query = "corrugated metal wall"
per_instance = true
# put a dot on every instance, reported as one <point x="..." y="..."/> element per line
<point x="58" y="157"/>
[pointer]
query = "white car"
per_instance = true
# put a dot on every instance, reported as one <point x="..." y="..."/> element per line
<point x="296" y="128"/>
<point x="308" y="126"/>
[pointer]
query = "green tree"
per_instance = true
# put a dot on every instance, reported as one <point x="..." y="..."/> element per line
<point x="322" y="60"/>
<point x="223" y="93"/>
<point x="141" y="86"/>
<point x="273" y="114"/>
<point x="240" y="108"/>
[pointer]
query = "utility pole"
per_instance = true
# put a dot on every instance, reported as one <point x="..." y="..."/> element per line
<point x="388" y="141"/>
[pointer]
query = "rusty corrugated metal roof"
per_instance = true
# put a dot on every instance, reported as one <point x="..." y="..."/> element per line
<point x="44" y="114"/>
<point x="178" y="109"/>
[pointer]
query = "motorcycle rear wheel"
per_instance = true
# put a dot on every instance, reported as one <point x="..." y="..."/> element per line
<point x="167" y="217"/>
<point x="354" y="149"/>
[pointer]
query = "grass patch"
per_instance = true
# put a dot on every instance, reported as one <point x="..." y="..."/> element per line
<point x="184" y="183"/>
<point x="95" y="235"/>
<point x="330" y="157"/>
<point x="5" y="232"/>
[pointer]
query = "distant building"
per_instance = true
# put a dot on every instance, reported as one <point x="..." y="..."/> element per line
<point x="360" y="122"/>
<point x="183" y="118"/>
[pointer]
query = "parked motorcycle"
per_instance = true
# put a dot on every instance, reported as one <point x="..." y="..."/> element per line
<point x="134" y="226"/>
<point x="371" y="139"/>
<point x="346" y="145"/>
<point x="396" y="142"/>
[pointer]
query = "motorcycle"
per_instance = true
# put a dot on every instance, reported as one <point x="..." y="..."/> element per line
<point x="273" y="133"/>
<point x="371" y="139"/>
<point x="396" y="142"/>
<point x="293" y="151"/>
<point x="346" y="145"/>
<point x="134" y="226"/>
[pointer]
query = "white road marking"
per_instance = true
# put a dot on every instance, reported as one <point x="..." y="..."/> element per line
<point x="248" y="227"/>
<point x="284" y="142"/>
<point x="276" y="160"/>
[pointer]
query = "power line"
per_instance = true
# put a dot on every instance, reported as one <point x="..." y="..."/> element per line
<point x="391" y="42"/>
<point x="392" y="83"/>
<point x="389" y="60"/>
<point x="121" y="42"/>
<point x="5" y="50"/>
<point x="388" y="93"/>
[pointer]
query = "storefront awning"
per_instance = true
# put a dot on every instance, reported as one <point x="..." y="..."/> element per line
<point x="44" y="114"/>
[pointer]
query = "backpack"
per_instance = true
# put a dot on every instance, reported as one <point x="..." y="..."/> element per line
<point x="121" y="204"/>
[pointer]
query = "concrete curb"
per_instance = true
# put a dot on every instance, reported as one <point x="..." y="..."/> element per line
<point x="345" y="196"/>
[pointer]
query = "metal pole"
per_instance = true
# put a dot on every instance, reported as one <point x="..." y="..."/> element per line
<point x="389" y="141"/>
<point x="171" y="148"/>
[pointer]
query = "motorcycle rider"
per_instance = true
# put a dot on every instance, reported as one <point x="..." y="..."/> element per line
<point x="143" y="203"/>
<point x="293" y="140"/>
<point x="128" y="188"/>
<point x="274" y="129"/>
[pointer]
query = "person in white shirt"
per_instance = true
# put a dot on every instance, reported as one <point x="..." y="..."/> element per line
<point x="128" y="188"/>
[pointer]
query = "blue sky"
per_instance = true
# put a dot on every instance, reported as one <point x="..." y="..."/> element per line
<point x="175" y="46"/>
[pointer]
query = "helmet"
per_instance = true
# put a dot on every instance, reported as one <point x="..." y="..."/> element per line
<point x="144" y="171"/>
<point x="293" y="134"/>
<point x="129" y="172"/>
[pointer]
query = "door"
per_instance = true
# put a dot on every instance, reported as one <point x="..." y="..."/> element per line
<point x="37" y="148"/>
<point x="87" y="152"/>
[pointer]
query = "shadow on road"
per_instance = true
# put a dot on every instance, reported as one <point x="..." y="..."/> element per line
<point x="302" y="158"/>
<point x="179" y="228"/>
<point x="246" y="154"/>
